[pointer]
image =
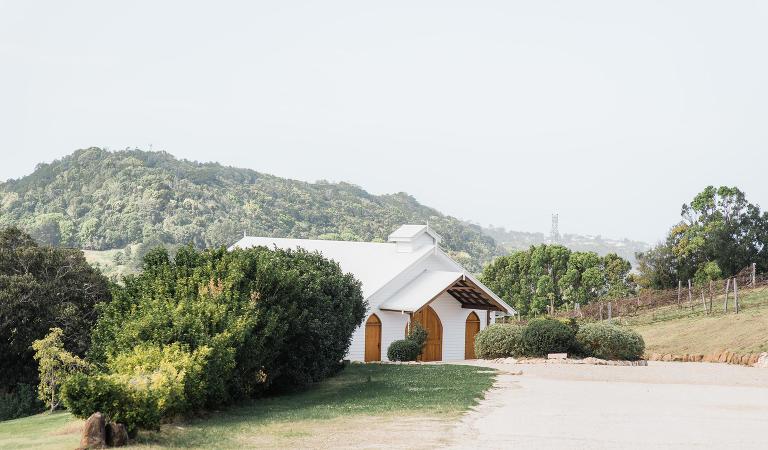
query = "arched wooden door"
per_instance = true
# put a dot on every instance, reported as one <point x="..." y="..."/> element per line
<point x="373" y="339"/>
<point x="470" y="331"/>
<point x="433" y="350"/>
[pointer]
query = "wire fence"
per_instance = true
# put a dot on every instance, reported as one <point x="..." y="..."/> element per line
<point x="688" y="295"/>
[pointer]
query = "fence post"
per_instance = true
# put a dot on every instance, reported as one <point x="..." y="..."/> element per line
<point x="736" y="295"/>
<point x="754" y="268"/>
<point x="679" y="292"/>
<point x="609" y="311"/>
<point x="710" y="296"/>
<point x="704" y="302"/>
<point x="601" y="311"/>
<point x="690" y="295"/>
<point x="725" y="302"/>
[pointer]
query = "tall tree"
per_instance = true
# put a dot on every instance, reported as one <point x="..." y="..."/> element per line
<point x="719" y="226"/>
<point x="42" y="288"/>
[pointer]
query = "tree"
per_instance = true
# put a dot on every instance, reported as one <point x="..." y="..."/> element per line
<point x="43" y="288"/>
<point x="718" y="226"/>
<point x="552" y="276"/>
<point x="55" y="364"/>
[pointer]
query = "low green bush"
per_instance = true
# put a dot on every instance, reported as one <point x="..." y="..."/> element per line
<point x="542" y="336"/>
<point x="499" y="341"/>
<point x="403" y="350"/>
<point x="417" y="334"/>
<point x="609" y="341"/>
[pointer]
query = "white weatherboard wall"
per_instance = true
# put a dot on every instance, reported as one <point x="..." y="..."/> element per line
<point x="454" y="319"/>
<point x="452" y="316"/>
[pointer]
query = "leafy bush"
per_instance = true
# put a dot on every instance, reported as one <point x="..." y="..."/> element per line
<point x="499" y="341"/>
<point x="19" y="402"/>
<point x="206" y="328"/>
<point x="403" y="350"/>
<point x="418" y="334"/>
<point x="542" y="336"/>
<point x="410" y="348"/>
<point x="609" y="341"/>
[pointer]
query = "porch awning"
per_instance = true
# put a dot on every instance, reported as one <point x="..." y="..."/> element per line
<point x="430" y="284"/>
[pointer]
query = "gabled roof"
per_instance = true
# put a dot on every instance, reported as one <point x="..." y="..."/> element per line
<point x="428" y="285"/>
<point x="373" y="264"/>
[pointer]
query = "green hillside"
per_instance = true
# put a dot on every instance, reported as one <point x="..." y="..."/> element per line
<point x="100" y="200"/>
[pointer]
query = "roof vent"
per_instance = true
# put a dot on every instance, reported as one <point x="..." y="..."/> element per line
<point x="412" y="237"/>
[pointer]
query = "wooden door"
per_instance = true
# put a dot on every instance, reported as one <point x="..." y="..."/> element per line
<point x="373" y="339"/>
<point x="433" y="350"/>
<point x="470" y="331"/>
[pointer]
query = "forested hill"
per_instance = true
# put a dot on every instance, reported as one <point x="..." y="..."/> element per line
<point x="97" y="199"/>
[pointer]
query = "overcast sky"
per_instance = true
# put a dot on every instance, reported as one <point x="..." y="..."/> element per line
<point x="610" y="113"/>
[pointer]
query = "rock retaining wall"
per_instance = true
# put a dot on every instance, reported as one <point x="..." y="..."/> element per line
<point x="744" y="359"/>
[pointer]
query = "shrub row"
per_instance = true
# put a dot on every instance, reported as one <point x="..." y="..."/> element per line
<point x="208" y="328"/>
<point x="542" y="336"/>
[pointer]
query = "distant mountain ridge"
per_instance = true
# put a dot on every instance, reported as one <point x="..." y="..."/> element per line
<point x="97" y="199"/>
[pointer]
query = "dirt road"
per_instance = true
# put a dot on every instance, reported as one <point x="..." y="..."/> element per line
<point x="664" y="405"/>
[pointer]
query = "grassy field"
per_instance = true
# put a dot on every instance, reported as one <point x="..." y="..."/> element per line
<point x="678" y="330"/>
<point x="360" y="396"/>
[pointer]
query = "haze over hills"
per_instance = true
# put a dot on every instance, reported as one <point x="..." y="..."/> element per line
<point x="132" y="199"/>
<point x="520" y="240"/>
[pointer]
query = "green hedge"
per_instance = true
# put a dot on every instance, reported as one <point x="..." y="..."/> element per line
<point x="208" y="328"/>
<point x="543" y="336"/>
<point x="499" y="341"/>
<point x="609" y="341"/>
<point x="20" y="402"/>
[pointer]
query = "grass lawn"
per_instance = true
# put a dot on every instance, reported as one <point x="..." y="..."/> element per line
<point x="360" y="396"/>
<point x="677" y="330"/>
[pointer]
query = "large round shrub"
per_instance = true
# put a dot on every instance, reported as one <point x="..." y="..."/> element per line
<point x="542" y="336"/>
<point x="609" y="341"/>
<point x="218" y="326"/>
<point x="403" y="350"/>
<point x="499" y="341"/>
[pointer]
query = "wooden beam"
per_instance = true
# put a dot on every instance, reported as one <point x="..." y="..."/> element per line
<point x="482" y="307"/>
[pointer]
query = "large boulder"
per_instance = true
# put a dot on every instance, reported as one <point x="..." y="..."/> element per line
<point x="94" y="433"/>
<point x="117" y="435"/>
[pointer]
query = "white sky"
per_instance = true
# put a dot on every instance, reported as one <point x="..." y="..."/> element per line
<point x="611" y="113"/>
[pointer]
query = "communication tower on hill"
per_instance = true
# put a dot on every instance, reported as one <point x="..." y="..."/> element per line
<point x="554" y="234"/>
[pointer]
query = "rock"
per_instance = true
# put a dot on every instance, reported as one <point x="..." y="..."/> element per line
<point x="666" y="357"/>
<point x="557" y="355"/>
<point x="724" y="356"/>
<point x="753" y="359"/>
<point x="116" y="435"/>
<point x="677" y="358"/>
<point x="698" y="358"/>
<point x="655" y="357"/>
<point x="762" y="361"/>
<point x="94" y="434"/>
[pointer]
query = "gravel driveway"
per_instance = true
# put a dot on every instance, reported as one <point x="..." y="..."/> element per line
<point x="663" y="405"/>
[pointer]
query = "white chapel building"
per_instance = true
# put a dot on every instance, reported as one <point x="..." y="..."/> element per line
<point x="407" y="278"/>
